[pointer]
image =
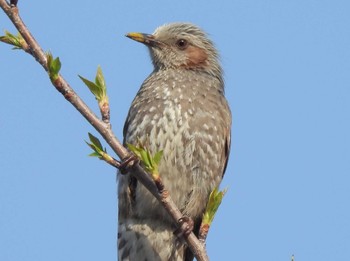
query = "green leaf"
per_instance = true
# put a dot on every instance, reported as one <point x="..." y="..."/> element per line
<point x="157" y="157"/>
<point x="98" y="88"/>
<point x="99" y="79"/>
<point x="93" y="87"/>
<point x="11" y="39"/>
<point x="144" y="158"/>
<point x="134" y="149"/>
<point x="149" y="162"/>
<point x="213" y="204"/>
<point x="53" y="66"/>
<point x="97" y="151"/>
<point x="95" y="141"/>
<point x="56" y="65"/>
<point x="94" y="154"/>
<point x="97" y="148"/>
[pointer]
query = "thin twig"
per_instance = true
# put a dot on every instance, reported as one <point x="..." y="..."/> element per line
<point x="104" y="129"/>
<point x="114" y="163"/>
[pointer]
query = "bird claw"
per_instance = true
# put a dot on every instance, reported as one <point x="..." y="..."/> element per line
<point x="185" y="228"/>
<point x="127" y="162"/>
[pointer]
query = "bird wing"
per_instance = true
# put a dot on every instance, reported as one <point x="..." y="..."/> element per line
<point x="227" y="149"/>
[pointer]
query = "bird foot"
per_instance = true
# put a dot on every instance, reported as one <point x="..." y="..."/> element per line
<point x="127" y="162"/>
<point x="185" y="228"/>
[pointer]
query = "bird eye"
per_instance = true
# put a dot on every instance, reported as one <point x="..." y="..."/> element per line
<point x="182" y="44"/>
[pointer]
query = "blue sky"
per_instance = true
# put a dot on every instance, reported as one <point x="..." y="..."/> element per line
<point x="287" y="67"/>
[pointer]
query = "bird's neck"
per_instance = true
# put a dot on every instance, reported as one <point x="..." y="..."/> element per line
<point x="192" y="74"/>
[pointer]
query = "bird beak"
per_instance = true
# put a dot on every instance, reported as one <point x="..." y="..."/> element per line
<point x="147" y="39"/>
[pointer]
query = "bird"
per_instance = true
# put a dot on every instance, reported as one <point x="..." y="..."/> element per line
<point x="180" y="109"/>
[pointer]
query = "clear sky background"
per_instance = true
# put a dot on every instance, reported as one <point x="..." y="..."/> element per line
<point x="287" y="72"/>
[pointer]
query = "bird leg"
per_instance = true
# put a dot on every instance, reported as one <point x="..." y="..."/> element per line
<point x="185" y="228"/>
<point x="127" y="163"/>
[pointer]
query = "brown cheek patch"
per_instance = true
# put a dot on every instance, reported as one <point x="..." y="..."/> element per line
<point x="196" y="57"/>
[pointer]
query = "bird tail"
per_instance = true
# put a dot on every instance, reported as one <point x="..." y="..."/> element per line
<point x="141" y="240"/>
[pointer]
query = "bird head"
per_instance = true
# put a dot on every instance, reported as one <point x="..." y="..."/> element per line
<point x="181" y="46"/>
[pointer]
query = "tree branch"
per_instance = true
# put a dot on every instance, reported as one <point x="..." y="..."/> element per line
<point x="102" y="127"/>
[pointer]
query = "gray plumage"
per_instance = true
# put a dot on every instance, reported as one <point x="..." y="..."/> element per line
<point x="180" y="109"/>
